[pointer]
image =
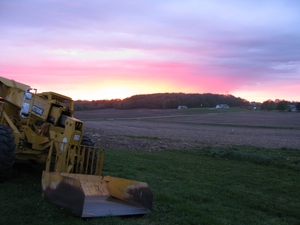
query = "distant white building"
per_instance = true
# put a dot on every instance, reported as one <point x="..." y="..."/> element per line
<point x="182" y="107"/>
<point x="292" y="107"/>
<point x="222" y="106"/>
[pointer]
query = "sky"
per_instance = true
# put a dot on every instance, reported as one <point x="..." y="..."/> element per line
<point x="93" y="50"/>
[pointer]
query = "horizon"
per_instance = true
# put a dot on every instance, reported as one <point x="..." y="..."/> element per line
<point x="274" y="100"/>
<point x="104" y="50"/>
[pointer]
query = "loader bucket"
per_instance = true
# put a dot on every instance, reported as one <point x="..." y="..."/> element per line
<point x="97" y="196"/>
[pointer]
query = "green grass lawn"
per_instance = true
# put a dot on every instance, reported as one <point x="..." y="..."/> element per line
<point x="237" y="185"/>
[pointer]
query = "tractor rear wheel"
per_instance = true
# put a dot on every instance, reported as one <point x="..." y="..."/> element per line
<point x="7" y="152"/>
<point x="91" y="162"/>
<point x="87" y="141"/>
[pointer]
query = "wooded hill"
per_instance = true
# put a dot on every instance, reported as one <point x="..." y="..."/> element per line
<point x="163" y="101"/>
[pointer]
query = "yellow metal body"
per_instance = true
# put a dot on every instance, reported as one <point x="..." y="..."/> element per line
<point x="46" y="132"/>
<point x="93" y="196"/>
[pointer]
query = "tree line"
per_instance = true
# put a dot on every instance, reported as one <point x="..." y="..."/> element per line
<point x="163" y="101"/>
<point x="279" y="105"/>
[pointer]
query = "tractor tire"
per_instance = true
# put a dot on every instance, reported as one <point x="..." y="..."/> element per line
<point x="7" y="152"/>
<point x="89" y="153"/>
<point x="87" y="141"/>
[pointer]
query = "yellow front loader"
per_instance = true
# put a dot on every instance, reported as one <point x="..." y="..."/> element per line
<point x="40" y="128"/>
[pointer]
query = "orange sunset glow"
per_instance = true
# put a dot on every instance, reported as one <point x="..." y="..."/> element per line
<point x="94" y="51"/>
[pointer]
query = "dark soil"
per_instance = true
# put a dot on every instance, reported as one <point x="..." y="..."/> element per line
<point x="150" y="130"/>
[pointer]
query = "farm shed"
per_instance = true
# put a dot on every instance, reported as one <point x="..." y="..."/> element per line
<point x="222" y="106"/>
<point x="182" y="107"/>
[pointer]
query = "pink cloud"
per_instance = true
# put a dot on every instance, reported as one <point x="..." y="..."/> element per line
<point x="69" y="77"/>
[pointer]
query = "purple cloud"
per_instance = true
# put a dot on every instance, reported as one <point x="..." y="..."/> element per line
<point x="237" y="43"/>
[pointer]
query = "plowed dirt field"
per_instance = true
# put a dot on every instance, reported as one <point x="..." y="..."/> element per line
<point x="150" y="130"/>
